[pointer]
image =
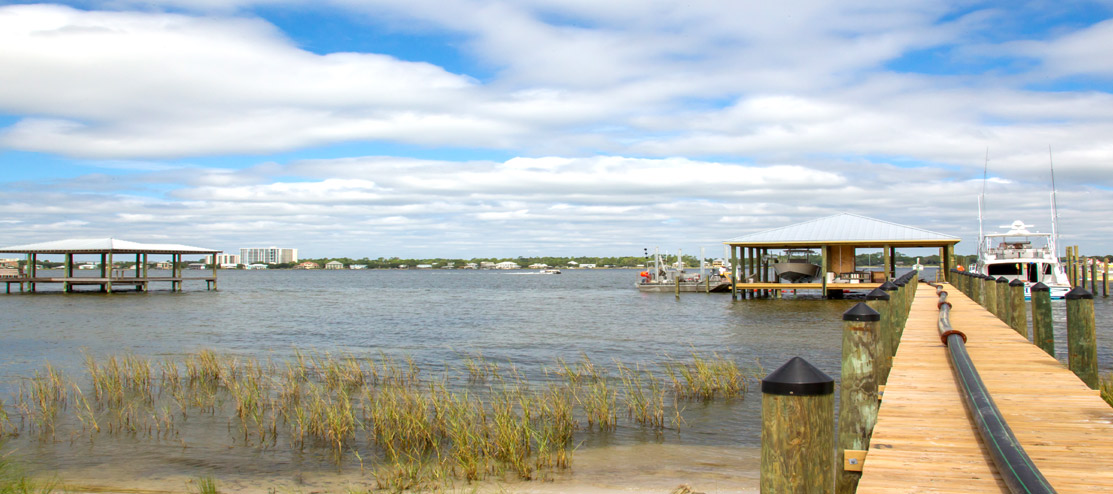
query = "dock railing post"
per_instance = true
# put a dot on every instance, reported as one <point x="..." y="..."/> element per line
<point x="1003" y="299"/>
<point x="989" y="286"/>
<point x="858" y="399"/>
<point x="797" y="430"/>
<point x="1081" y="340"/>
<point x="879" y="300"/>
<point x="1043" y="334"/>
<point x="976" y="285"/>
<point x="1018" y="313"/>
<point x="901" y="314"/>
<point x="894" y="335"/>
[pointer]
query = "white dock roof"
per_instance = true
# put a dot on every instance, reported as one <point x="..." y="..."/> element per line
<point x="846" y="228"/>
<point x="103" y="246"/>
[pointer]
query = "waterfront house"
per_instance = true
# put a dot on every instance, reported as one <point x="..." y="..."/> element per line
<point x="357" y="266"/>
<point x="507" y="265"/>
<point x="334" y="265"/>
<point x="308" y="265"/>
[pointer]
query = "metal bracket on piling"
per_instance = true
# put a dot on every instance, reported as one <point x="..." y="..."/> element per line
<point x="853" y="460"/>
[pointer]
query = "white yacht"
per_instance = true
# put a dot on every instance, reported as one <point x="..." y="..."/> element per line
<point x="1021" y="254"/>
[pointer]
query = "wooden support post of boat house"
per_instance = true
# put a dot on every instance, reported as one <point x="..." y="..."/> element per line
<point x="797" y="430"/>
<point x="733" y="272"/>
<point x="823" y="251"/>
<point x="1081" y="340"/>
<point x="108" y="281"/>
<point x="1043" y="335"/>
<point x="885" y="261"/>
<point x="892" y="262"/>
<point x="858" y="399"/>
<point x="215" y="265"/>
<point x="1018" y="313"/>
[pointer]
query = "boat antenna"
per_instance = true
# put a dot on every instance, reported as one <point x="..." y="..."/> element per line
<point x="1054" y="205"/>
<point x="981" y="201"/>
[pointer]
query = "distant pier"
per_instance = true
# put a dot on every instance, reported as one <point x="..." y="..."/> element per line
<point x="107" y="278"/>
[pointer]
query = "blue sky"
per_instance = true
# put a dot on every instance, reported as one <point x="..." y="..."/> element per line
<point x="463" y="128"/>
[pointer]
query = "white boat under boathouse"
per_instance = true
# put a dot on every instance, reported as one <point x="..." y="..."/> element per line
<point x="108" y="279"/>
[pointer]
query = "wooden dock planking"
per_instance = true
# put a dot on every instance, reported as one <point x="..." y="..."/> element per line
<point x="925" y="441"/>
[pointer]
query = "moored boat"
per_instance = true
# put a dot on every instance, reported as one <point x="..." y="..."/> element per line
<point x="1021" y="254"/>
<point x="797" y="266"/>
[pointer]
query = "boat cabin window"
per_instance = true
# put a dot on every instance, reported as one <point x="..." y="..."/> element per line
<point x="1003" y="269"/>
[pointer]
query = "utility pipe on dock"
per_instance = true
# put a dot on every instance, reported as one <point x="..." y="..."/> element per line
<point x="1013" y="463"/>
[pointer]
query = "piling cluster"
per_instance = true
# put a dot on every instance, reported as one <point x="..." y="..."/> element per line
<point x="799" y="449"/>
<point x="1006" y="300"/>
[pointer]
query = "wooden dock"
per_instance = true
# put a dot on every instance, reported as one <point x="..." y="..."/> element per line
<point x="924" y="440"/>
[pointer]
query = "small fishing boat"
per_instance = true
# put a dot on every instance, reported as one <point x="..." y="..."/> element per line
<point x="659" y="277"/>
<point x="797" y="266"/>
<point x="549" y="271"/>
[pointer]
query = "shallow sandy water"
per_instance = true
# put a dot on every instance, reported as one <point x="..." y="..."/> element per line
<point x="613" y="469"/>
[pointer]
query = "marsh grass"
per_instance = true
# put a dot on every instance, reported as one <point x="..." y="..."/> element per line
<point x="410" y="431"/>
<point x="706" y="378"/>
<point x="205" y="485"/>
<point x="13" y="480"/>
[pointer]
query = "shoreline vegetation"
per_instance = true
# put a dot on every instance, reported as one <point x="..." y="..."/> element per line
<point x="403" y="427"/>
<point x="620" y="262"/>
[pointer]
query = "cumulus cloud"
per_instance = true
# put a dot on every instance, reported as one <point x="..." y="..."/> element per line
<point x="626" y="122"/>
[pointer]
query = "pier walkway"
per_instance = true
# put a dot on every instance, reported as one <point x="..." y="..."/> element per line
<point x="924" y="440"/>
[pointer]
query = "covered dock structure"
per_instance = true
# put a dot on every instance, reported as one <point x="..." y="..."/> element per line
<point x="105" y="275"/>
<point x="837" y="238"/>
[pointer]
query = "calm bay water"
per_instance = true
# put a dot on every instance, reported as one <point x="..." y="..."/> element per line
<point x="438" y="318"/>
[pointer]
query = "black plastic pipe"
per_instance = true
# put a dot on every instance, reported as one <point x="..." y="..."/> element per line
<point x="1013" y="463"/>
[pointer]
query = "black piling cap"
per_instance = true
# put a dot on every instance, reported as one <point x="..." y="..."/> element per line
<point x="1016" y="282"/>
<point x="1078" y="293"/>
<point x="1040" y="287"/>
<point x="1002" y="280"/>
<point x="900" y="282"/>
<point x="889" y="286"/>
<point x="797" y="378"/>
<point x="861" y="312"/>
<point x="877" y="294"/>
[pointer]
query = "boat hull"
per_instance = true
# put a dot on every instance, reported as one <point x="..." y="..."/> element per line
<point x="796" y="272"/>
<point x="685" y="286"/>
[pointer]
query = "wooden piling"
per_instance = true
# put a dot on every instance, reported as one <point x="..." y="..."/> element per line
<point x="1081" y="340"/>
<point x="894" y="332"/>
<point x="733" y="272"/>
<point x="797" y="431"/>
<point x="858" y="399"/>
<point x="1093" y="276"/>
<point x="1018" y="313"/>
<point x="989" y="286"/>
<point x="879" y="300"/>
<point x="1043" y="334"/>
<point x="1003" y="299"/>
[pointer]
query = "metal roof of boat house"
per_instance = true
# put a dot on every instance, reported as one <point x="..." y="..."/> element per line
<point x="104" y="246"/>
<point x="845" y="229"/>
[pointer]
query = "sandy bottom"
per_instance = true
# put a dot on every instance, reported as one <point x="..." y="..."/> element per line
<point x="613" y="469"/>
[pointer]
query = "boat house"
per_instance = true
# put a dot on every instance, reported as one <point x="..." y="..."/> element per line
<point x="836" y="238"/>
<point x="105" y="276"/>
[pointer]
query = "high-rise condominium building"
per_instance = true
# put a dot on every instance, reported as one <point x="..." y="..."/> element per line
<point x="268" y="255"/>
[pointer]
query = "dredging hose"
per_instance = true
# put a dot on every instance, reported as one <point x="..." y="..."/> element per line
<point x="1013" y="463"/>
